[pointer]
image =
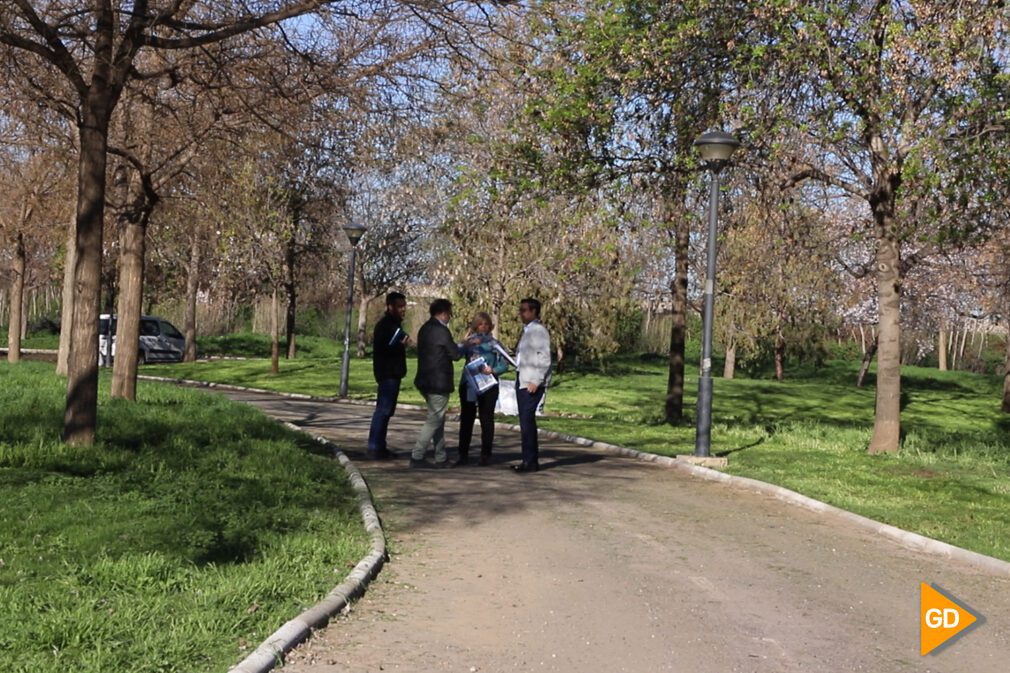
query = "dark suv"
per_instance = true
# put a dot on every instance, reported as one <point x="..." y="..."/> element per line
<point x="160" y="341"/>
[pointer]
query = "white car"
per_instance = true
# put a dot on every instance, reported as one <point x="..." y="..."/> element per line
<point x="160" y="341"/>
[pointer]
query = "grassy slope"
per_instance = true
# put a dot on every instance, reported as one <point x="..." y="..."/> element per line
<point x="950" y="481"/>
<point x="193" y="529"/>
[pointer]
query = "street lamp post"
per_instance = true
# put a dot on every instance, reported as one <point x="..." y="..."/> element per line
<point x="354" y="233"/>
<point x="716" y="148"/>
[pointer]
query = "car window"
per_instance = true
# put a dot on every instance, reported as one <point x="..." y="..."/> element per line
<point x="148" y="328"/>
<point x="168" y="329"/>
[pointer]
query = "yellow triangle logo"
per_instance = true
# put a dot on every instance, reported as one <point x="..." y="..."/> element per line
<point x="940" y="619"/>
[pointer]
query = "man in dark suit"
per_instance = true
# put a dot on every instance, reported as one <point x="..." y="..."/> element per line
<point x="435" y="352"/>
<point x="389" y="365"/>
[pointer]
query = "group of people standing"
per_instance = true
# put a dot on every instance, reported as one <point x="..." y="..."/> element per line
<point x="436" y="351"/>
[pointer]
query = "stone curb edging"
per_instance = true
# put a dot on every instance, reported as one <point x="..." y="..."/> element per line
<point x="907" y="539"/>
<point x="272" y="650"/>
<point x="32" y="351"/>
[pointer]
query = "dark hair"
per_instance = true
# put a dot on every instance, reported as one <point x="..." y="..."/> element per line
<point x="534" y="304"/>
<point x="440" y="306"/>
<point x="393" y="297"/>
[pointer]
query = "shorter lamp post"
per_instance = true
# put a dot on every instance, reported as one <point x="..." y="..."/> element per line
<point x="354" y="233"/>
<point x="716" y="148"/>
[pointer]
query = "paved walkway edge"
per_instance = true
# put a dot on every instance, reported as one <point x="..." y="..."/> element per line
<point x="905" y="538"/>
<point x="272" y="650"/>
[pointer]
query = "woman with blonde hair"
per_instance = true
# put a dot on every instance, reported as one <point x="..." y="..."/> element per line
<point x="473" y="403"/>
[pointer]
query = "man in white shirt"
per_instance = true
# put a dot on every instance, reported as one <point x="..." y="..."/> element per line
<point x="534" y="360"/>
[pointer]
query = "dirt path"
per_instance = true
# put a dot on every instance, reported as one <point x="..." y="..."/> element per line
<point x="599" y="563"/>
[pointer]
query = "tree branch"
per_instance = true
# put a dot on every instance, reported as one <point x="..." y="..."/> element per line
<point x="222" y="31"/>
<point x="55" y="55"/>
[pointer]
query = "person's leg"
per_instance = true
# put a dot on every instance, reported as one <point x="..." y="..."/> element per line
<point x="486" y="404"/>
<point x="467" y="414"/>
<point x="431" y="425"/>
<point x="385" y="407"/>
<point x="527" y="425"/>
<point x="441" y="403"/>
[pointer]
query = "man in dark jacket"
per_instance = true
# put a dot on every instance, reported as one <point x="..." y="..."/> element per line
<point x="435" y="352"/>
<point x="389" y="364"/>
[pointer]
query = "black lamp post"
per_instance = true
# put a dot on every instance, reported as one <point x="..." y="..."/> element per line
<point x="354" y="233"/>
<point x="716" y="148"/>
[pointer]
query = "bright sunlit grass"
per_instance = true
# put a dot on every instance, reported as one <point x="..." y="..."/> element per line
<point x="192" y="530"/>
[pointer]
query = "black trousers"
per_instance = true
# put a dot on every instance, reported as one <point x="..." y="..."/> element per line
<point x="528" y="403"/>
<point x="484" y="407"/>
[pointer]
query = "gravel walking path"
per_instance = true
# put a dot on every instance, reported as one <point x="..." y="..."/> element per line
<point x="601" y="563"/>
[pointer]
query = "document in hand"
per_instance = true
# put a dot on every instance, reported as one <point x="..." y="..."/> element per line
<point x="505" y="354"/>
<point x="476" y="378"/>
<point x="399" y="336"/>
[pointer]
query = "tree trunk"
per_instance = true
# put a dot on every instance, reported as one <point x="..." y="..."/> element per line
<point x="887" y="419"/>
<point x="27" y="315"/>
<point x="729" y="367"/>
<point x="496" y="307"/>
<point x="960" y="351"/>
<point x="678" y="330"/>
<point x="862" y="339"/>
<point x="17" y="301"/>
<point x="291" y="339"/>
<point x="132" y="249"/>
<point x="780" y="358"/>
<point x="363" y="303"/>
<point x="941" y="350"/>
<point x="275" y="336"/>
<point x="951" y="350"/>
<point x="291" y="293"/>
<point x="1006" y="375"/>
<point x="865" y="366"/>
<point x="192" y="289"/>
<point x="646" y="324"/>
<point x="67" y="309"/>
<point x="80" y="417"/>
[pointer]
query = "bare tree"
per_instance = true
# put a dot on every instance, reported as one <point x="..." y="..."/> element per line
<point x="95" y="51"/>
<point x="31" y="184"/>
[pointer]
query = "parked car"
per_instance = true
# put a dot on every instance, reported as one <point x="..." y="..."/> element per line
<point x="160" y="341"/>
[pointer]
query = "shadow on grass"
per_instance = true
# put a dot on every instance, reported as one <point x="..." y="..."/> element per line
<point x="728" y="452"/>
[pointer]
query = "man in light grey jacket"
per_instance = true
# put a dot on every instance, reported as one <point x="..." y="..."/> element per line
<point x="533" y="356"/>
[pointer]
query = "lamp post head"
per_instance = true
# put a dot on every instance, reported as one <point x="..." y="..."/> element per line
<point x="716" y="148"/>
<point x="354" y="232"/>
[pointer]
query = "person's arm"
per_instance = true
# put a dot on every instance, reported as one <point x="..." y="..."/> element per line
<point x="498" y="364"/>
<point x="536" y="358"/>
<point x="380" y="340"/>
<point x="453" y="349"/>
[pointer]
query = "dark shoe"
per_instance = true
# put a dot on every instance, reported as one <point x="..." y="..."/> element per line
<point x="463" y="461"/>
<point x="526" y="467"/>
<point x="484" y="460"/>
<point x="418" y="464"/>
<point x="381" y="454"/>
<point x="444" y="465"/>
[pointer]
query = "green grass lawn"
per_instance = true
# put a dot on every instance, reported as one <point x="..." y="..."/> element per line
<point x="43" y="340"/>
<point x="250" y="344"/>
<point x="192" y="530"/>
<point x="951" y="480"/>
